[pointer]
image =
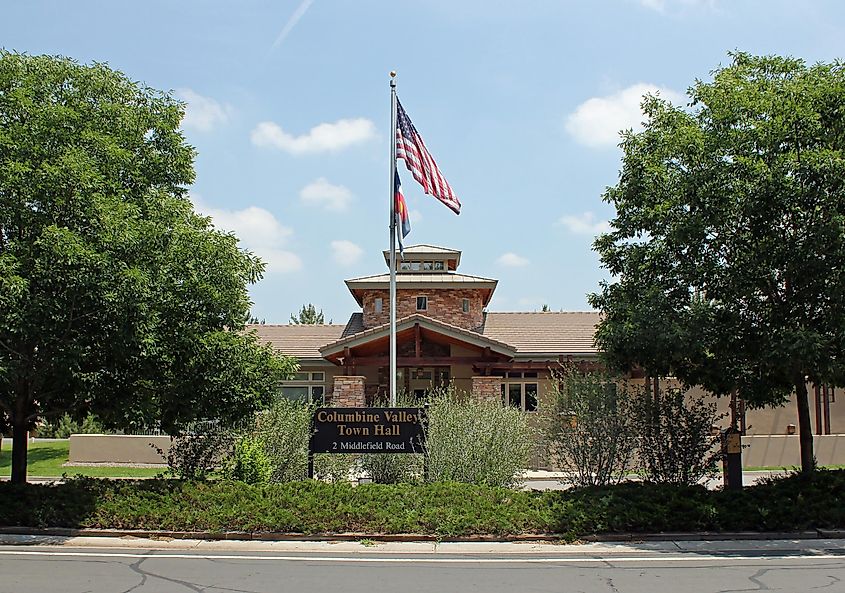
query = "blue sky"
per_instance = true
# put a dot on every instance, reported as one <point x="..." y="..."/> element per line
<point x="519" y="102"/>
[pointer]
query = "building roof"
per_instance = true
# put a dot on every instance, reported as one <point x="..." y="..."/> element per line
<point x="412" y="280"/>
<point x="302" y="341"/>
<point x="442" y="327"/>
<point x="545" y="333"/>
<point x="525" y="335"/>
<point x="421" y="252"/>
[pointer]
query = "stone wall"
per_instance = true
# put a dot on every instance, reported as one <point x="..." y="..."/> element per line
<point x="444" y="304"/>
<point x="348" y="392"/>
<point x="487" y="389"/>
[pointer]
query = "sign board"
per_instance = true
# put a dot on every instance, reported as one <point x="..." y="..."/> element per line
<point x="368" y="430"/>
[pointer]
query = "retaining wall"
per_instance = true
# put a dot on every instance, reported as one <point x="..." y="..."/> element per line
<point x="118" y="448"/>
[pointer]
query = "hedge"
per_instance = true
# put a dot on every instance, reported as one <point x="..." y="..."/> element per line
<point x="793" y="503"/>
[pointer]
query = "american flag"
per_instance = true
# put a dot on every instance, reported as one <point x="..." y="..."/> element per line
<point x="411" y="148"/>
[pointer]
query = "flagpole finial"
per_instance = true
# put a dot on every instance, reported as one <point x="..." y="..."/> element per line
<point x="393" y="74"/>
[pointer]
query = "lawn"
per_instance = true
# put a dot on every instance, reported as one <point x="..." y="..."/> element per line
<point x="45" y="459"/>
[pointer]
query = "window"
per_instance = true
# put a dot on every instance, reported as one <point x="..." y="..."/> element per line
<point x="405" y="265"/>
<point x="438" y="266"/>
<point x="426" y="266"/>
<point x="415" y="266"/>
<point x="305" y="387"/>
<point x="519" y="393"/>
<point x="379" y="303"/>
<point x="465" y="306"/>
<point x="422" y="303"/>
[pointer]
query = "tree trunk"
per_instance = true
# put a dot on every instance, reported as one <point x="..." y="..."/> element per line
<point x="805" y="428"/>
<point x="19" y="434"/>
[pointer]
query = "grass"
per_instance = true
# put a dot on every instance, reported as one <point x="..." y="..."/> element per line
<point x="444" y="509"/>
<point x="46" y="458"/>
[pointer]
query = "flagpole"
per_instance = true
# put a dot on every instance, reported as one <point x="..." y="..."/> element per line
<point x="392" y="239"/>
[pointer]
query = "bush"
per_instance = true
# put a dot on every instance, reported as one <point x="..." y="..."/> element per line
<point x="249" y="462"/>
<point x="588" y="428"/>
<point x="675" y="441"/>
<point x="393" y="468"/>
<point x="443" y="509"/>
<point x="200" y="449"/>
<point x="475" y="442"/>
<point x="335" y="467"/>
<point x="284" y="431"/>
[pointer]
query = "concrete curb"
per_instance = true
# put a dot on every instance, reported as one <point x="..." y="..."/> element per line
<point x="412" y="537"/>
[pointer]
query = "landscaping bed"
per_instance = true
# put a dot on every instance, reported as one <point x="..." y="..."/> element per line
<point x="440" y="509"/>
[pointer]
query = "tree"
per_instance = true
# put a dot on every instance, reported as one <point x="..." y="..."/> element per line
<point x="115" y="297"/>
<point x="728" y="245"/>
<point x="308" y="316"/>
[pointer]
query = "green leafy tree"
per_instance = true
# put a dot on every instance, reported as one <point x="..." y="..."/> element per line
<point x="728" y="246"/>
<point x="308" y="315"/>
<point x="115" y="297"/>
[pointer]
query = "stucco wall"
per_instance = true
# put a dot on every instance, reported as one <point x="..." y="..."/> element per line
<point x="102" y="448"/>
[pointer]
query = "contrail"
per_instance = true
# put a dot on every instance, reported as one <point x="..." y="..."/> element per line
<point x="294" y="18"/>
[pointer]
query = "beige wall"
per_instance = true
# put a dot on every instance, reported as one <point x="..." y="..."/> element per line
<point x="784" y="451"/>
<point x="101" y="448"/>
<point x="768" y="421"/>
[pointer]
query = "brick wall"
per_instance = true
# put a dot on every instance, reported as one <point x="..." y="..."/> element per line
<point x="444" y="304"/>
<point x="348" y="392"/>
<point x="487" y="389"/>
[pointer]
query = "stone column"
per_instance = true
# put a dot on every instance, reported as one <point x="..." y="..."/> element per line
<point x="348" y="392"/>
<point x="487" y="389"/>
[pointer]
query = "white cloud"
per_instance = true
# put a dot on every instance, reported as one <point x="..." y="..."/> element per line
<point x="345" y="252"/>
<point x="415" y="215"/>
<point x="258" y="230"/>
<point x="512" y="260"/>
<point x="584" y="224"/>
<point x="202" y="113"/>
<point x="320" y="192"/>
<point x="325" y="137"/>
<point x="597" y="121"/>
<point x="294" y="18"/>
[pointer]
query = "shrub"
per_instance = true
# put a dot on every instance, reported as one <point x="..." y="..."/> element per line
<point x="283" y="432"/>
<point x="675" y="441"/>
<point x="336" y="467"/>
<point x="588" y="428"/>
<point x="200" y="449"/>
<point x="475" y="442"/>
<point x="249" y="462"/>
<point x="393" y="468"/>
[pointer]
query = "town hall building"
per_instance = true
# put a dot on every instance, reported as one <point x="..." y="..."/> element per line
<point x="445" y="336"/>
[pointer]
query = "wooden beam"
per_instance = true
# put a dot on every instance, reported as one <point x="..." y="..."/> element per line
<point x="417" y="341"/>
<point x="414" y="361"/>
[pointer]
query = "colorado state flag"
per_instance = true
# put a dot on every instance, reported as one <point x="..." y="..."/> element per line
<point x="401" y="210"/>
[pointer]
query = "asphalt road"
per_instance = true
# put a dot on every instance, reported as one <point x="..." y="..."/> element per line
<point x="132" y="566"/>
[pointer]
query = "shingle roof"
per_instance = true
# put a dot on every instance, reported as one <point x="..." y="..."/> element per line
<point x="410" y="320"/>
<point x="542" y="334"/>
<point x="546" y="333"/>
<point x="420" y="281"/>
<point x="417" y="278"/>
<point x="301" y="341"/>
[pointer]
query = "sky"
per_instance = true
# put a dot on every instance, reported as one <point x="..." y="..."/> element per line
<point x="520" y="103"/>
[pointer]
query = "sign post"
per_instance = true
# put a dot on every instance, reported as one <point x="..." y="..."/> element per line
<point x="366" y="430"/>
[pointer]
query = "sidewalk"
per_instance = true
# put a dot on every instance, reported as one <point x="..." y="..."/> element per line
<point x="369" y="546"/>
